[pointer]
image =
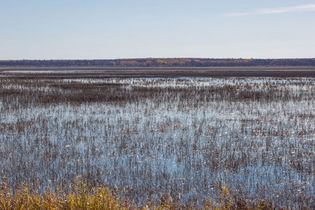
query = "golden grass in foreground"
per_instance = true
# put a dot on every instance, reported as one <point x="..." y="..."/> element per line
<point x="103" y="198"/>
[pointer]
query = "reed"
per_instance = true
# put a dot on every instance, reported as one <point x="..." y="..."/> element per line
<point x="87" y="198"/>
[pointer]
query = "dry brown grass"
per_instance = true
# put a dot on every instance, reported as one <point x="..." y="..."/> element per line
<point x="84" y="197"/>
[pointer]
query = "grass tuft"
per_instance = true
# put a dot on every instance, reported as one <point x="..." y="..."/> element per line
<point x="82" y="197"/>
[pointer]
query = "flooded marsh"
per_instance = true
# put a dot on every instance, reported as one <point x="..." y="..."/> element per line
<point x="148" y="137"/>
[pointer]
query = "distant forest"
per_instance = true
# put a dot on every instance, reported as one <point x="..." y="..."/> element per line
<point x="156" y="62"/>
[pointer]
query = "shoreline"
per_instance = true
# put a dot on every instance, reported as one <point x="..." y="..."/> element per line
<point x="134" y="72"/>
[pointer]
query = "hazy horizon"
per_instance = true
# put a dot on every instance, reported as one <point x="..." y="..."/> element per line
<point x="53" y="30"/>
<point x="139" y="58"/>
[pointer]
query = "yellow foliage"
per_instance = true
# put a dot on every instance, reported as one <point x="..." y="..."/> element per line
<point x="85" y="198"/>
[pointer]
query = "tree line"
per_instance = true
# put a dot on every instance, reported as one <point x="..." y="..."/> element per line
<point x="156" y="62"/>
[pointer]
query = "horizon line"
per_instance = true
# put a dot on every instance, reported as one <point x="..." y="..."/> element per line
<point x="143" y="58"/>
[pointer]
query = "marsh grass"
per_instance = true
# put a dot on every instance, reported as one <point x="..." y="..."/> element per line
<point x="85" y="197"/>
<point x="156" y="140"/>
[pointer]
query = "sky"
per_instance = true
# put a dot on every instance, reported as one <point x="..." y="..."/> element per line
<point x="107" y="29"/>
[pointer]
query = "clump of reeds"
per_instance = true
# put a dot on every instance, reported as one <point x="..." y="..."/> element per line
<point x="84" y="197"/>
<point x="25" y="198"/>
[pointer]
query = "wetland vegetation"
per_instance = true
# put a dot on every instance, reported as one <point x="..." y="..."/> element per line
<point x="184" y="142"/>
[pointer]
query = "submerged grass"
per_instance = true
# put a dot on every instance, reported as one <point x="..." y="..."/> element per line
<point x="159" y="143"/>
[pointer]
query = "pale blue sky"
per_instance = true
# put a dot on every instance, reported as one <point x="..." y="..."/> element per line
<point x="87" y="29"/>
